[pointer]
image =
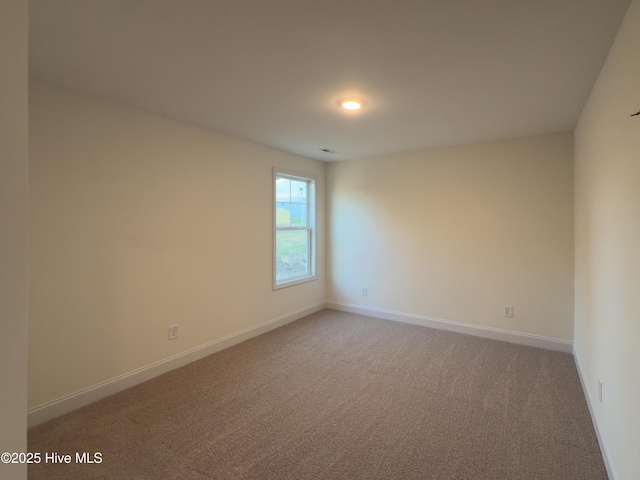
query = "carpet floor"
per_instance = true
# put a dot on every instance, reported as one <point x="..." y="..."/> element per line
<point x="341" y="396"/>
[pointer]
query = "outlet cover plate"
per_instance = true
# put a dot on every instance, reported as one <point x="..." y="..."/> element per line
<point x="173" y="332"/>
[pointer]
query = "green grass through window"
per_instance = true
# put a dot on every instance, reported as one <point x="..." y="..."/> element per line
<point x="291" y="253"/>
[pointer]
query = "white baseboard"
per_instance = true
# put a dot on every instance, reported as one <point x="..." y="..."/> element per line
<point x="61" y="406"/>
<point x="590" y="402"/>
<point x="69" y="403"/>
<point x="459" y="327"/>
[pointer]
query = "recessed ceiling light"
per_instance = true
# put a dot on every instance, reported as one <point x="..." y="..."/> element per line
<point x="351" y="104"/>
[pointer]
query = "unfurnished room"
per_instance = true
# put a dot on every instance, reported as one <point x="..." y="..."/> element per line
<point x="328" y="239"/>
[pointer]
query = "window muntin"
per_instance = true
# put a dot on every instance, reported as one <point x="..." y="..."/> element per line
<point x="294" y="229"/>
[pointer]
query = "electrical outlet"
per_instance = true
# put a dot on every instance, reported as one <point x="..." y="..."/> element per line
<point x="173" y="332"/>
<point x="364" y="291"/>
<point x="600" y="390"/>
<point x="508" y="311"/>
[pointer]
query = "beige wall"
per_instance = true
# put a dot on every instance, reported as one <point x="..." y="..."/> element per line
<point x="140" y="222"/>
<point x="607" y="257"/>
<point x="13" y="233"/>
<point x="457" y="233"/>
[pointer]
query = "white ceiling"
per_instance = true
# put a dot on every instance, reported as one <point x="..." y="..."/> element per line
<point x="432" y="73"/>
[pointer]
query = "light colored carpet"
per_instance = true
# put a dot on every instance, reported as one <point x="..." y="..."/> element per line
<point x="341" y="396"/>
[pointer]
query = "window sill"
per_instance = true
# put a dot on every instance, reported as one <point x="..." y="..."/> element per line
<point x="296" y="281"/>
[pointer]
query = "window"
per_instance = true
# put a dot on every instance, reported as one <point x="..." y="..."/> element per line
<point x="294" y="229"/>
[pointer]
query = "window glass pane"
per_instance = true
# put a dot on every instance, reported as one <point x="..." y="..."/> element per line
<point x="298" y="192"/>
<point x="283" y="214"/>
<point x="292" y="257"/>
<point x="298" y="215"/>
<point x="283" y="190"/>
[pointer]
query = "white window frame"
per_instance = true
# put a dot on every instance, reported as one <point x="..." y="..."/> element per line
<point x="310" y="227"/>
